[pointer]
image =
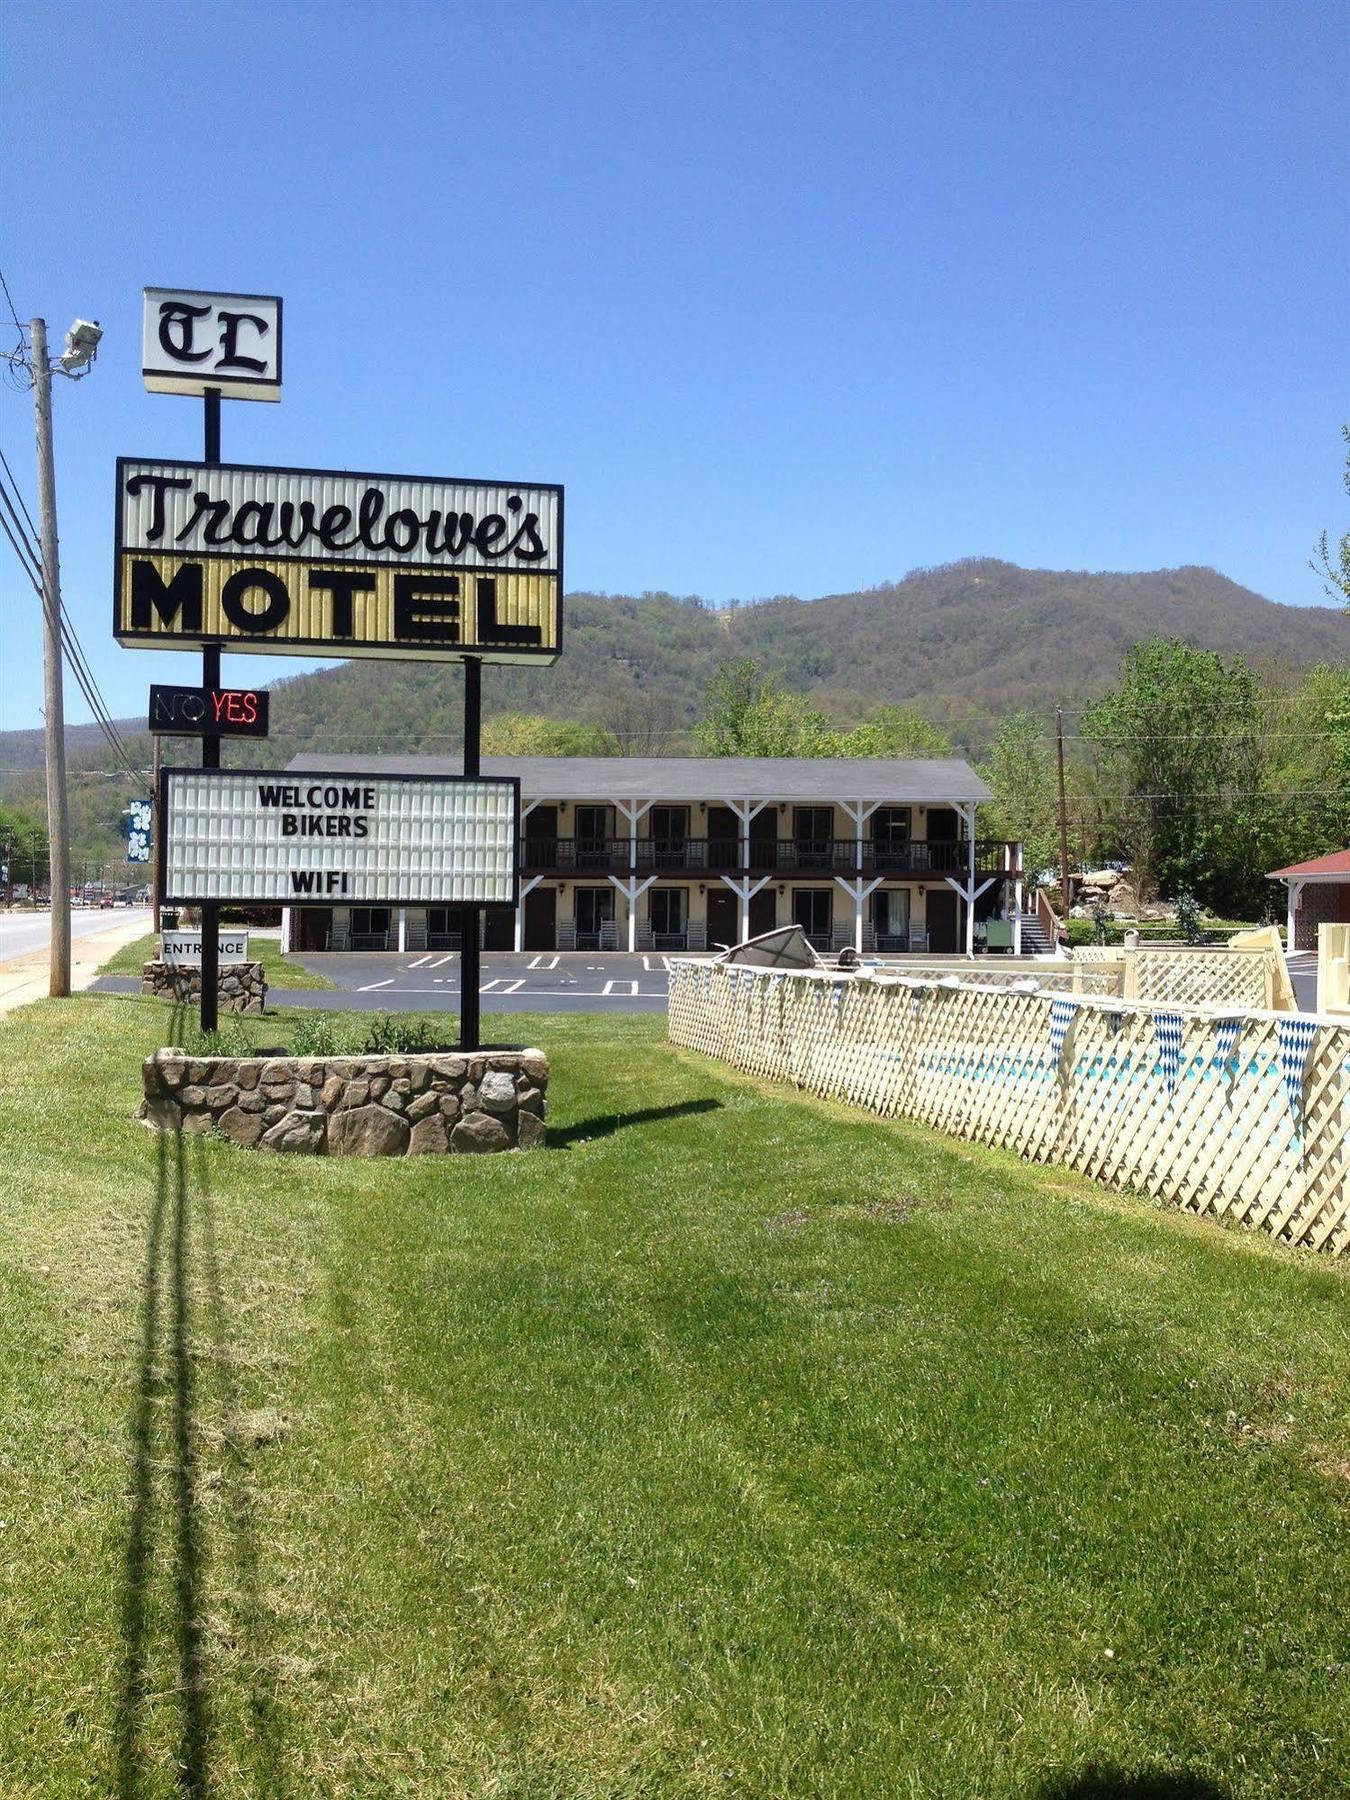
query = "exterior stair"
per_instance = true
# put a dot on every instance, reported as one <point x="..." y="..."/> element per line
<point x="1034" y="940"/>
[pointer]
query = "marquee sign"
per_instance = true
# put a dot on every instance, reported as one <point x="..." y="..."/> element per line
<point x="315" y="838"/>
<point x="193" y="712"/>
<point x="312" y="562"/>
<point x="191" y="341"/>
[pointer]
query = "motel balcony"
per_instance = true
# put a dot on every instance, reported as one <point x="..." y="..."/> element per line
<point x="763" y="856"/>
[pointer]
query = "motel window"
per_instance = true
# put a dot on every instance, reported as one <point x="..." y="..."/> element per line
<point x="594" y="908"/>
<point x="890" y="827"/>
<point x="370" y="921"/>
<point x="812" y="909"/>
<point x="669" y="909"/>
<point x="890" y="913"/>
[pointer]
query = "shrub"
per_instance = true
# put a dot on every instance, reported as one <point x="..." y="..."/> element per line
<point x="395" y="1036"/>
<point x="317" y="1034"/>
<point x="1188" y="916"/>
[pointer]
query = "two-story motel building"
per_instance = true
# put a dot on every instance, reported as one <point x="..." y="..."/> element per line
<point x="686" y="853"/>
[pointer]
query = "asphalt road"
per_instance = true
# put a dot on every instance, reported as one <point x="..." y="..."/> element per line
<point x="23" y="932"/>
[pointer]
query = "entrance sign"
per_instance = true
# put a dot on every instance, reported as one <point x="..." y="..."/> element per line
<point x="192" y="341"/>
<point x="310" y="562"/>
<point x="323" y="839"/>
<point x="183" y="949"/>
<point x="192" y="712"/>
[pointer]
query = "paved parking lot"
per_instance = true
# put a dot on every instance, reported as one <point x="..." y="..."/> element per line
<point x="546" y="981"/>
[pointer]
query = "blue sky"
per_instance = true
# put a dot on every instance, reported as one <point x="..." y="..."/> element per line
<point x="792" y="298"/>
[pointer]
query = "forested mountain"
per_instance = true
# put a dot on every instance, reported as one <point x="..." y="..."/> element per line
<point x="964" y="643"/>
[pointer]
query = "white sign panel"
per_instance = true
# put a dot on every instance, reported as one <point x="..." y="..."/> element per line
<point x="314" y="839"/>
<point x="191" y="341"/>
<point x="183" y="949"/>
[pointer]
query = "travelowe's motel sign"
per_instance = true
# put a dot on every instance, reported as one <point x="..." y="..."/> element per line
<point x="261" y="839"/>
<point x="311" y="562"/>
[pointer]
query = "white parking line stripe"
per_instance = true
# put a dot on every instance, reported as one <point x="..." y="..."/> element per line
<point x="441" y="961"/>
<point x="509" y="987"/>
<point x="421" y="962"/>
<point x="370" y="986"/>
<point x="486" y="987"/>
<point x="613" y="987"/>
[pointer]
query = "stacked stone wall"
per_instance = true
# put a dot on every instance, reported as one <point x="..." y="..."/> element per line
<point x="354" y="1105"/>
<point x="243" y="987"/>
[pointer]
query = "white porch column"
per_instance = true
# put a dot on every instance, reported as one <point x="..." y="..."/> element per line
<point x="402" y="929"/>
<point x="526" y="887"/>
<point x="860" y="811"/>
<point x="968" y="814"/>
<point x="1019" y="899"/>
<point x="631" y="889"/>
<point x="1295" y="898"/>
<point x="970" y="895"/>
<point x="859" y="891"/>
<point x="745" y="890"/>
<point x="285" y="930"/>
<point x="633" y="811"/>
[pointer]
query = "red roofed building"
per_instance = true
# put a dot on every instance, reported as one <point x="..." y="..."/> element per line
<point x="1319" y="894"/>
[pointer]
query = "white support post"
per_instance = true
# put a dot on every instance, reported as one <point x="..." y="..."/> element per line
<point x="969" y="815"/>
<point x="285" y="924"/>
<point x="745" y="890"/>
<point x="633" y="811"/>
<point x="632" y="889"/>
<point x="860" y="892"/>
<point x="402" y="929"/>
<point x="860" y="811"/>
<point x="1295" y="897"/>
<point x="1019" y="900"/>
<point x="526" y="887"/>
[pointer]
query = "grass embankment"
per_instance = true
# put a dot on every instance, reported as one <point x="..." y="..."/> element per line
<point x="735" y="1445"/>
<point x="279" y="971"/>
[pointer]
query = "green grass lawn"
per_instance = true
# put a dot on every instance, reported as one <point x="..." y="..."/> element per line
<point x="738" y="1444"/>
<point x="280" y="971"/>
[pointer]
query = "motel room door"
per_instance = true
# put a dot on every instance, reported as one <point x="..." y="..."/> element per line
<point x="943" y="935"/>
<point x="724" y="916"/>
<point x="541" y="919"/>
<point x="763" y="911"/>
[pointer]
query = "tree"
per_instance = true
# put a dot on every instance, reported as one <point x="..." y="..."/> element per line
<point x="1180" y="757"/>
<point x="638" y="720"/>
<point x="746" y="713"/>
<point x="892" y="731"/>
<point x="1020" y="771"/>
<point x="527" y="734"/>
<point x="1336" y="576"/>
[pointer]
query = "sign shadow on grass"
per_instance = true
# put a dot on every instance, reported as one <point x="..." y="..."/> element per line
<point x="168" y="1543"/>
<point x="1106" y="1781"/>
<point x="606" y="1124"/>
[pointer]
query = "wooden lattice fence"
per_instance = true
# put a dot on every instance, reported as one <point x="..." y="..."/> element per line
<point x="1240" y="1114"/>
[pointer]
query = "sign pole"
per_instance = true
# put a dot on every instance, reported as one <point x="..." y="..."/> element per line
<point x="210" y="1003"/>
<point x="468" y="919"/>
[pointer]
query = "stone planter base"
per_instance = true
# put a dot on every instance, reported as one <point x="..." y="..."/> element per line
<point x="243" y="987"/>
<point x="353" y="1105"/>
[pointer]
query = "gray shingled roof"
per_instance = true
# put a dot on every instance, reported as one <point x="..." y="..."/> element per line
<point x="936" y="780"/>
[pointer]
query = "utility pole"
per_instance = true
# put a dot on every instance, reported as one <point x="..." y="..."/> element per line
<point x="1063" y="821"/>
<point x="58" y="833"/>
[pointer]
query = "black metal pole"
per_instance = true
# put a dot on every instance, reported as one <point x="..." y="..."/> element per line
<point x="210" y="1003"/>
<point x="468" y="918"/>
